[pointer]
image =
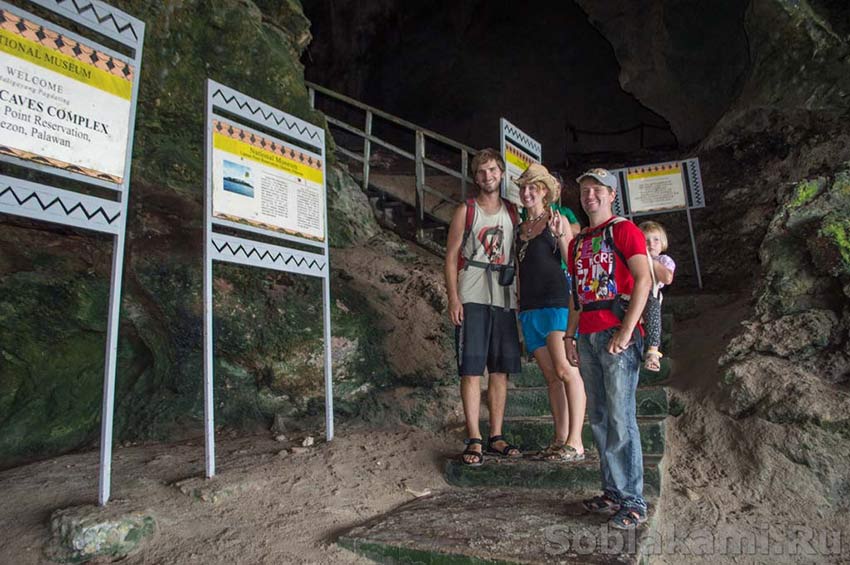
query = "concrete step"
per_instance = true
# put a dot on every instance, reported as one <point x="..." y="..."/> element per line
<point x="527" y="472"/>
<point x="477" y="526"/>
<point x="532" y="377"/>
<point x="534" y="401"/>
<point x="535" y="433"/>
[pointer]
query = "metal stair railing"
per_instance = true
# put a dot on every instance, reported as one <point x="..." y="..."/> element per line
<point x="419" y="156"/>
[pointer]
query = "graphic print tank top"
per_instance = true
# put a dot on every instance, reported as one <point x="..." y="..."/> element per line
<point x="490" y="241"/>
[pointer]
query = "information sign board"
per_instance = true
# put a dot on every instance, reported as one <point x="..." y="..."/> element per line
<point x="68" y="108"/>
<point x="64" y="101"/>
<point x="656" y="187"/>
<point x="266" y="182"/>
<point x="674" y="186"/>
<point x="265" y="174"/>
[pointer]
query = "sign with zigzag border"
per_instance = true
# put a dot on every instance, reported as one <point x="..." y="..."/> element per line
<point x="661" y="188"/>
<point x="265" y="176"/>
<point x="519" y="150"/>
<point x="68" y="112"/>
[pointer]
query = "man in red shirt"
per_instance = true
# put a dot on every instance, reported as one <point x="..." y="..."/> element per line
<point x="612" y="281"/>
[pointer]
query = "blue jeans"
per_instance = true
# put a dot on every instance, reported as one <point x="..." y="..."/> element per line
<point x="610" y="382"/>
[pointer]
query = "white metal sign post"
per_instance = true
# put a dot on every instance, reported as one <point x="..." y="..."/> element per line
<point x="68" y="107"/>
<point x="519" y="150"/>
<point x="267" y="184"/>
<point x="659" y="188"/>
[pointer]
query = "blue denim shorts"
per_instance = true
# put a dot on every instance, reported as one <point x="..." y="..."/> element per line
<point x="539" y="323"/>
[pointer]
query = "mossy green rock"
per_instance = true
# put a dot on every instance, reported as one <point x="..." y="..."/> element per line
<point x="806" y="253"/>
<point x="83" y="533"/>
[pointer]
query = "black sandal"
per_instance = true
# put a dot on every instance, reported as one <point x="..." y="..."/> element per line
<point x="601" y="505"/>
<point x="628" y="518"/>
<point x="479" y="456"/>
<point x="504" y="452"/>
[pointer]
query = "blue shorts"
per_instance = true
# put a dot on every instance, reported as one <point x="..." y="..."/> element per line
<point x="539" y="323"/>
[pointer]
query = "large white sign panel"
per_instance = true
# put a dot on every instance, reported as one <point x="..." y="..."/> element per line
<point x="656" y="187"/>
<point x="266" y="182"/>
<point x="62" y="103"/>
<point x="519" y="150"/>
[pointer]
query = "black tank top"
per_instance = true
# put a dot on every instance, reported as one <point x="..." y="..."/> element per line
<point x="543" y="283"/>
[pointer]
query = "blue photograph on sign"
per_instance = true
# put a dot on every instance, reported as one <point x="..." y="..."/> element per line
<point x="237" y="179"/>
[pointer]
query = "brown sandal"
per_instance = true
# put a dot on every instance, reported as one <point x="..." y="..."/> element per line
<point x="565" y="454"/>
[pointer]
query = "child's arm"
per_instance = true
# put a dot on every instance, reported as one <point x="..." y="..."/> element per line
<point x="663" y="272"/>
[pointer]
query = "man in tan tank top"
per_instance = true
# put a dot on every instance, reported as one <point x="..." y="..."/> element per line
<point x="483" y="311"/>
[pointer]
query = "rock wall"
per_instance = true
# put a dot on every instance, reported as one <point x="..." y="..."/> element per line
<point x="685" y="59"/>
<point x="54" y="281"/>
<point x="791" y="364"/>
<point x="720" y="71"/>
<point x="797" y="78"/>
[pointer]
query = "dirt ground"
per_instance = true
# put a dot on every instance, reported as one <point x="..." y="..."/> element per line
<point x="723" y="477"/>
<point x="275" y="507"/>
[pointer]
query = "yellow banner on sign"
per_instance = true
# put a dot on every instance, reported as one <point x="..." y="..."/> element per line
<point x="655" y="172"/>
<point x="516" y="161"/>
<point x="58" y="62"/>
<point x="264" y="157"/>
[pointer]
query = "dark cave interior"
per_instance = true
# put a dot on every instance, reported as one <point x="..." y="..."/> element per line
<point x="456" y="68"/>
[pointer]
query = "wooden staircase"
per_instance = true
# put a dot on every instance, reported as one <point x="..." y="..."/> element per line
<point x="414" y="177"/>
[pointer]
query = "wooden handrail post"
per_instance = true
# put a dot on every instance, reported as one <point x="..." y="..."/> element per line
<point x="420" y="183"/>
<point x="367" y="149"/>
<point x="464" y="165"/>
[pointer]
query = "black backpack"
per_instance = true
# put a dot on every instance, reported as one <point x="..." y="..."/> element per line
<point x="616" y="303"/>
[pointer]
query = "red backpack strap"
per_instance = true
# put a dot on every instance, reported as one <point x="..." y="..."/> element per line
<point x="512" y="211"/>
<point x="470" y="216"/>
<point x="467" y="229"/>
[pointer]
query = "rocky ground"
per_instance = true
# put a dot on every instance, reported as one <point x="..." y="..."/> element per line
<point x="745" y="479"/>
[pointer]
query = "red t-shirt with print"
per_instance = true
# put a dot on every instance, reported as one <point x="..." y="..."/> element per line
<point x="591" y="268"/>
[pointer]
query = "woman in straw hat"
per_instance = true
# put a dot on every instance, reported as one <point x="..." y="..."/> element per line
<point x="543" y="239"/>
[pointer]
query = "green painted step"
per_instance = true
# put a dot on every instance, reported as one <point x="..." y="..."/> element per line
<point x="497" y="526"/>
<point x="534" y="401"/>
<point x="528" y="473"/>
<point x="535" y="433"/>
<point x="532" y="377"/>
